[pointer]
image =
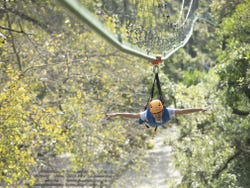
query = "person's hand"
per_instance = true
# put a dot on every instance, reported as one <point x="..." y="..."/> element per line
<point x="111" y="115"/>
<point x="204" y="109"/>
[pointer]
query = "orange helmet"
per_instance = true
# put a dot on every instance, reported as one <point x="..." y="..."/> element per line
<point x="155" y="106"/>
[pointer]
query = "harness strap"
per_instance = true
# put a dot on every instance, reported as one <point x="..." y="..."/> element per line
<point x="159" y="87"/>
<point x="155" y="131"/>
<point x="151" y="94"/>
<point x="158" y="84"/>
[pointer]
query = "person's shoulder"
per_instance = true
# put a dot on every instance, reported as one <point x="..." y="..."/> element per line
<point x="168" y="108"/>
<point x="171" y="111"/>
<point x="143" y="112"/>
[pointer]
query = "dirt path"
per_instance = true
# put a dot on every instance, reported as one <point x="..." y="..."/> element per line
<point x="160" y="171"/>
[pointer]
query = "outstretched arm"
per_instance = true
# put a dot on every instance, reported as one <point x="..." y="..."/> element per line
<point x="189" y="110"/>
<point x="126" y="115"/>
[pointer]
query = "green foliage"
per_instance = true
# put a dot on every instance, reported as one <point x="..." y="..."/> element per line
<point x="16" y="158"/>
<point x="193" y="77"/>
<point x="206" y="141"/>
<point x="26" y="131"/>
<point x="213" y="149"/>
<point x="235" y="59"/>
<point x="58" y="80"/>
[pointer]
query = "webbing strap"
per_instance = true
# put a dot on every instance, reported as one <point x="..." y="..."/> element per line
<point x="159" y="87"/>
<point x="158" y="84"/>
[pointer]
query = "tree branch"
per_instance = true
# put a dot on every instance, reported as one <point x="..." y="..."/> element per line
<point x="13" y="44"/>
<point x="240" y="112"/>
<point x="12" y="30"/>
<point x="217" y="173"/>
<point x="30" y="19"/>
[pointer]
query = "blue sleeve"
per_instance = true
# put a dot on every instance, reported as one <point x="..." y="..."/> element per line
<point x="140" y="121"/>
<point x="143" y="117"/>
<point x="171" y="112"/>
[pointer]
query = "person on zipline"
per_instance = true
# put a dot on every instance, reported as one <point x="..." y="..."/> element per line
<point x="156" y="114"/>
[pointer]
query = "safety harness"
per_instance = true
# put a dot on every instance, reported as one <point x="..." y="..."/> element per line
<point x="156" y="83"/>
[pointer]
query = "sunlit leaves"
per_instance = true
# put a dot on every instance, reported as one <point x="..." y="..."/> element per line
<point x="2" y="40"/>
<point x="16" y="157"/>
<point x="237" y="25"/>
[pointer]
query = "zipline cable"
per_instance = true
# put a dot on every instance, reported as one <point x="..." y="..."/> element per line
<point x="189" y="9"/>
<point x="82" y="13"/>
<point x="182" y="7"/>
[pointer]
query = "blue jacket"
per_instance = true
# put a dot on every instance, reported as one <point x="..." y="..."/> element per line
<point x="151" y="121"/>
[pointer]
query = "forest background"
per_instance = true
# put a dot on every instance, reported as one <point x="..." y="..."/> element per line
<point x="58" y="79"/>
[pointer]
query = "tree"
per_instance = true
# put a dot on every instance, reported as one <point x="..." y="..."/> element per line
<point x="213" y="151"/>
<point x="58" y="80"/>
